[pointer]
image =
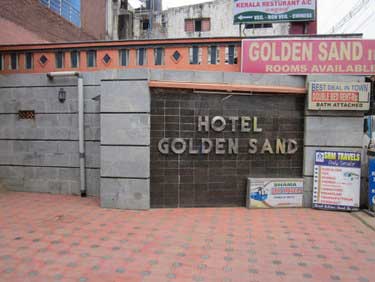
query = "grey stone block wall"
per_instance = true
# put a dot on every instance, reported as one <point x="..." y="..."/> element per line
<point x="41" y="154"/>
<point x="125" y="143"/>
<point x="126" y="129"/>
<point x="329" y="130"/>
<point x="55" y="180"/>
<point x="125" y="193"/>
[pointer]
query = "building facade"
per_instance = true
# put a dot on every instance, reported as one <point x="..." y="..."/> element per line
<point x="164" y="123"/>
<point x="209" y="19"/>
<point x="213" y="19"/>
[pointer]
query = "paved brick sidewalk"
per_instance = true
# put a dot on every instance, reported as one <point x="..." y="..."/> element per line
<point x="64" y="238"/>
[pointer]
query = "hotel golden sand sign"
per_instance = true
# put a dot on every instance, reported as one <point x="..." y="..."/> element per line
<point x="230" y="146"/>
<point x="309" y="56"/>
<point x="350" y="96"/>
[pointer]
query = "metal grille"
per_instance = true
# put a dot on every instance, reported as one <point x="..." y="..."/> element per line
<point x="26" y="114"/>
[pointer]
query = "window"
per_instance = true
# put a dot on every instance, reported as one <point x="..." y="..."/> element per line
<point x="141" y="56"/>
<point x="70" y="10"/>
<point x="260" y="25"/>
<point x="13" y="61"/>
<point x="74" y="59"/>
<point x="189" y="25"/>
<point x="91" y="58"/>
<point x="124" y="57"/>
<point x="145" y="24"/>
<point x="163" y="21"/>
<point x="59" y="58"/>
<point x="159" y="56"/>
<point x="195" y="55"/>
<point x="231" y="57"/>
<point x="29" y="61"/>
<point x="197" y="25"/>
<point x="213" y="55"/>
<point x="124" y="4"/>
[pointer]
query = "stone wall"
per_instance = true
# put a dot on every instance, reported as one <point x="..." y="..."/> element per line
<point x="125" y="143"/>
<point x="41" y="154"/>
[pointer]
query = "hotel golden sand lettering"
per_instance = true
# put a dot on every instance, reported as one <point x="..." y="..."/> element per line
<point x="221" y="146"/>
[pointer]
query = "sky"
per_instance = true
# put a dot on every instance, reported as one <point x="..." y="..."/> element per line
<point x="329" y="13"/>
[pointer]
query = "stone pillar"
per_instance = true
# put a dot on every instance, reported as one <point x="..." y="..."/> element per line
<point x="125" y="144"/>
<point x="329" y="130"/>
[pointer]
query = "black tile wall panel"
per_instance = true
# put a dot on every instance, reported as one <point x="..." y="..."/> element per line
<point x="219" y="180"/>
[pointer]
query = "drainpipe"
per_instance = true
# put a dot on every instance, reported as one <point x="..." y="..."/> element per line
<point x="81" y="131"/>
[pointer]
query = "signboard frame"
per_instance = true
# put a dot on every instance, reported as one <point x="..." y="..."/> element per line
<point x="335" y="171"/>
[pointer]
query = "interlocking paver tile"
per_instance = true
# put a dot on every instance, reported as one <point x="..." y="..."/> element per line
<point x="66" y="238"/>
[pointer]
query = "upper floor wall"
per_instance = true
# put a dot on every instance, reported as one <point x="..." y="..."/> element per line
<point x="212" y="19"/>
<point x="28" y="21"/>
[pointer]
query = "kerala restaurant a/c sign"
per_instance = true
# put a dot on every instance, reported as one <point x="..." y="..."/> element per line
<point x="270" y="11"/>
<point x="312" y="56"/>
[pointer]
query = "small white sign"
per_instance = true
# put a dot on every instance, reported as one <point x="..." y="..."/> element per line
<point x="337" y="178"/>
<point x="268" y="11"/>
<point x="274" y="193"/>
<point x="348" y="96"/>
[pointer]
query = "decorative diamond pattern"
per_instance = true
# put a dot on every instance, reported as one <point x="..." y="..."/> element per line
<point x="43" y="60"/>
<point x="176" y="55"/>
<point x="106" y="59"/>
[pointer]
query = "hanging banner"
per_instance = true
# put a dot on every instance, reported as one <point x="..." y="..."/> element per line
<point x="310" y="56"/>
<point x="337" y="177"/>
<point x="274" y="193"/>
<point x="350" y="96"/>
<point x="271" y="11"/>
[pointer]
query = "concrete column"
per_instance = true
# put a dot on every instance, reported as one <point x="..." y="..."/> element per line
<point x="125" y="144"/>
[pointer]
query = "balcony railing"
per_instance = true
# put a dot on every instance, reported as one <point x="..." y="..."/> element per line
<point x="65" y="9"/>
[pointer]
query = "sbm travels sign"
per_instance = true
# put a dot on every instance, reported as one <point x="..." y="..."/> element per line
<point x="353" y="96"/>
<point x="269" y="11"/>
<point x="312" y="56"/>
<point x="221" y="146"/>
<point x="337" y="178"/>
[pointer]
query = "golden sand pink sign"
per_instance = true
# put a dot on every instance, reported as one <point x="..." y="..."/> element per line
<point x="313" y="56"/>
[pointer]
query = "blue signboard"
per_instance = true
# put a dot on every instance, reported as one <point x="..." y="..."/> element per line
<point x="337" y="177"/>
<point x="371" y="182"/>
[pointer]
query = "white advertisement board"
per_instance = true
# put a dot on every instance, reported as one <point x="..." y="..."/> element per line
<point x="337" y="178"/>
<point x="349" y="96"/>
<point x="270" y="11"/>
<point x="274" y="192"/>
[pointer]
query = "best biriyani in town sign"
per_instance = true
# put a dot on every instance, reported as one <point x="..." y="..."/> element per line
<point x="353" y="96"/>
<point x="310" y="56"/>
